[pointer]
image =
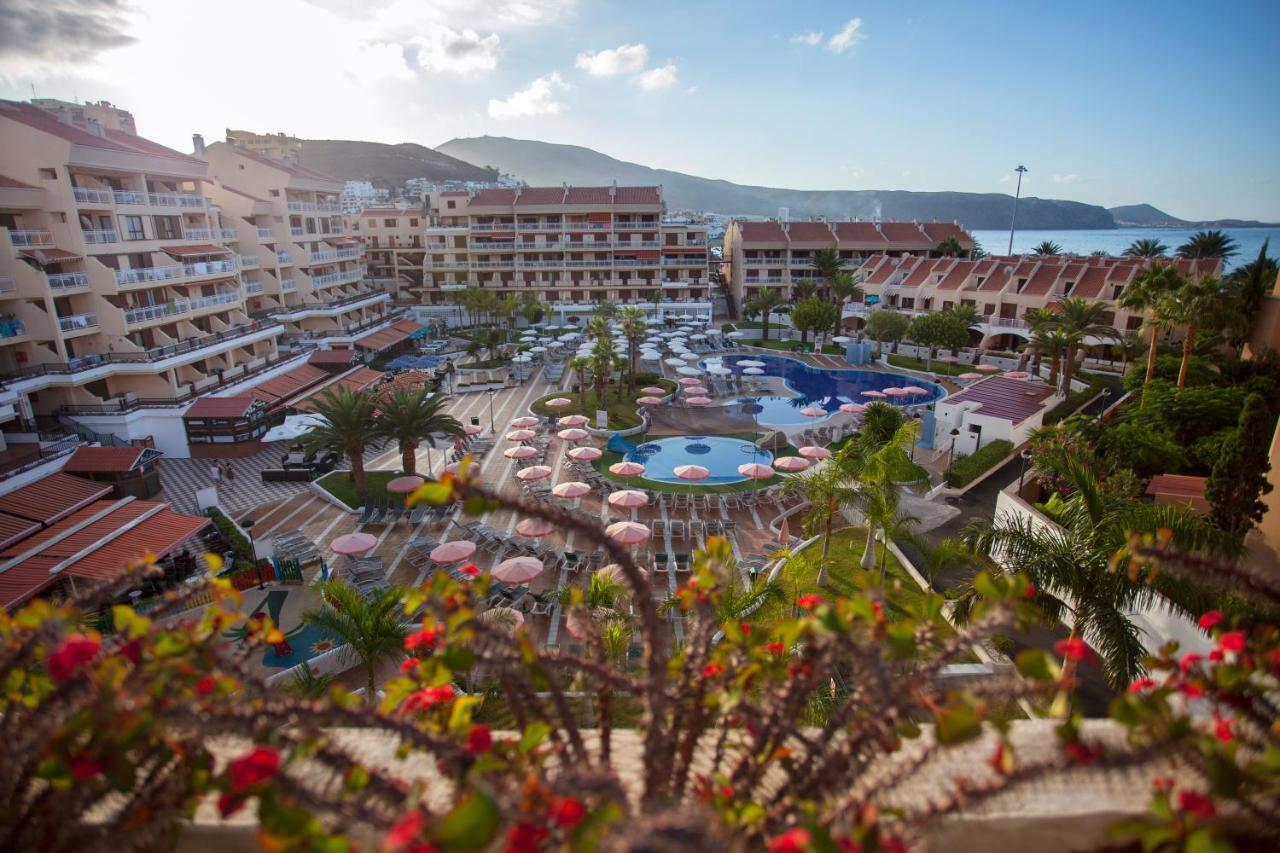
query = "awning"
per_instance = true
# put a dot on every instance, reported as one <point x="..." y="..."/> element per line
<point x="50" y="255"/>
<point x="279" y="388"/>
<point x="52" y="498"/>
<point x="355" y="380"/>
<point x="396" y="333"/>
<point x="109" y="460"/>
<point x="197" y="250"/>
<point x="13" y="528"/>
<point x="220" y="408"/>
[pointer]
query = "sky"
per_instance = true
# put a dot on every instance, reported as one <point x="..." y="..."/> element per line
<point x="1170" y="103"/>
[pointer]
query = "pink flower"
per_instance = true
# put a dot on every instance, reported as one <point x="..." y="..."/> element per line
<point x="712" y="669"/>
<point x="1222" y="728"/>
<point x="72" y="653"/>
<point x="257" y="766"/>
<point x="1188" y="660"/>
<point x="409" y="664"/>
<point x="425" y="638"/>
<point x="1208" y="620"/>
<point x="427" y="697"/>
<point x="404" y="831"/>
<point x="1142" y="684"/>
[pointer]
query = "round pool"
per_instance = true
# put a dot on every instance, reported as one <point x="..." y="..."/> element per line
<point x="718" y="454"/>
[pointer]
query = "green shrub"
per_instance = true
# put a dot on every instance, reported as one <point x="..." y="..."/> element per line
<point x="1074" y="401"/>
<point x="966" y="469"/>
<point x="238" y="541"/>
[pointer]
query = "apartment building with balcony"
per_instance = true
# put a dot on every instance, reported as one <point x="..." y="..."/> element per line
<point x="306" y="271"/>
<point x="395" y="248"/>
<point x="120" y="280"/>
<point x="563" y="244"/>
<point x="777" y="254"/>
<point x="1003" y="289"/>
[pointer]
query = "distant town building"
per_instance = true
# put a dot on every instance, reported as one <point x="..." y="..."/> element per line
<point x="357" y="195"/>
<point x="276" y="146"/>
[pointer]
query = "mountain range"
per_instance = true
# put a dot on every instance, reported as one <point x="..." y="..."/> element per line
<point x="1146" y="216"/>
<point x="387" y="165"/>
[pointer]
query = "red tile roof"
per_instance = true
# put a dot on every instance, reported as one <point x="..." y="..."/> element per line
<point x="288" y="384"/>
<point x="810" y="232"/>
<point x="146" y="146"/>
<point x="588" y="195"/>
<point x="888" y="267"/>
<point x="939" y="231"/>
<point x="13" y="528"/>
<point x="958" y="275"/>
<point x="113" y="140"/>
<point x="196" y="250"/>
<point x="52" y="498"/>
<point x="1041" y="281"/>
<point x="922" y="273"/>
<point x="50" y="255"/>
<point x="386" y="338"/>
<point x="637" y="195"/>
<point x="541" y="195"/>
<point x="762" y="232"/>
<point x="1177" y="486"/>
<point x="499" y="196"/>
<point x="331" y="356"/>
<point x="219" y="407"/>
<point x="907" y="234"/>
<point x="996" y="276"/>
<point x="355" y="380"/>
<point x="1091" y="283"/>
<point x="862" y="233"/>
<point x="14" y="183"/>
<point x="104" y="460"/>
<point x="1012" y="400"/>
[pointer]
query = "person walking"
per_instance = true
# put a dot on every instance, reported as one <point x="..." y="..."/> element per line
<point x="228" y="473"/>
<point x="215" y="472"/>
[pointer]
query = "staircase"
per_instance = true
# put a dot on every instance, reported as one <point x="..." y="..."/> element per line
<point x="106" y="439"/>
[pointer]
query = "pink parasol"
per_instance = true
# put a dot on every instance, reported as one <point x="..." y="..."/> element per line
<point x="875" y="395"/>
<point x="653" y="389"/>
<point x="452" y="468"/>
<point x="648" y="401"/>
<point x="533" y="472"/>
<point x="626" y="469"/>
<point x="571" y="489"/>
<point x="969" y="377"/>
<point x="693" y="390"/>
<point x="526" y="422"/>
<point x="353" y="543"/>
<point x="473" y="429"/>
<point x="627" y="532"/>
<point x="689" y="380"/>
<point x="755" y="471"/>
<point x="628" y="498"/>
<point x="915" y="389"/>
<point x="517" y="570"/>
<point x="453" y="552"/>
<point x="558" y="402"/>
<point x="987" y="368"/>
<point x="812" y="452"/>
<point x="853" y="408"/>
<point x="895" y="392"/>
<point x="573" y="434"/>
<point x="534" y="527"/>
<point x="691" y="472"/>
<point x="524" y="451"/>
<point x="404" y="485"/>
<point x="521" y="435"/>
<point x="813" y="412"/>
<point x="790" y="463"/>
<point x="698" y="401"/>
<point x="585" y="454"/>
<point x="1017" y="374"/>
<point x="573" y="421"/>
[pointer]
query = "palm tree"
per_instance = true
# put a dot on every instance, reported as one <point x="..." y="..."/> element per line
<point x="885" y="471"/>
<point x="491" y="339"/>
<point x="1250" y="285"/>
<point x="1208" y="244"/>
<point x="1039" y="321"/>
<point x="828" y="264"/>
<point x="1050" y="343"/>
<point x="634" y="331"/>
<point x="844" y="288"/>
<point x="1190" y="306"/>
<point x="409" y="416"/>
<point x="600" y="365"/>
<point x="371" y="627"/>
<point x="1146" y="247"/>
<point x="1146" y="295"/>
<point x="763" y="304"/>
<point x="606" y="309"/>
<point x="347" y="427"/>
<point x="1048" y="247"/>
<point x="1078" y="320"/>
<point x="1071" y="565"/>
<point x="949" y="248"/>
<point x="531" y="310"/>
<point x="828" y="487"/>
<point x="803" y="289"/>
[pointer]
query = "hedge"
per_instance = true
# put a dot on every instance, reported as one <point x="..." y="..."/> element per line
<point x="966" y="469"/>
<point x="1074" y="401"/>
<point x="238" y="541"/>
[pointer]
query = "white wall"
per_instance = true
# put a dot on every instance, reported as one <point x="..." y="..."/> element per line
<point x="163" y="425"/>
<point x="950" y="416"/>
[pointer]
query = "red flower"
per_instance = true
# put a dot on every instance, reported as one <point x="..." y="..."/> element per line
<point x="1222" y="728"/>
<point x="1163" y="784"/>
<point x="1072" y="648"/>
<point x="568" y="812"/>
<point x="248" y="770"/>
<point x="712" y="669"/>
<point x="744" y="628"/>
<point x="1188" y="660"/>
<point x="1141" y="684"/>
<point x="425" y="638"/>
<point x="802" y="669"/>
<point x="1031" y="591"/>
<point x="84" y="768"/>
<point x="1215" y="656"/>
<point x="479" y="740"/>
<point x="808" y="601"/>
<point x="404" y="831"/>
<point x="471" y="569"/>
<point x="229" y="804"/>
<point x="1273" y="660"/>
<point x="795" y="840"/>
<point x="132" y="651"/>
<point x="727" y="792"/>
<point x="428" y="696"/>
<point x="1208" y="620"/>
<point x="205" y="686"/>
<point x="775" y="648"/>
<point x="1082" y="753"/>
<point x="848" y="845"/>
<point x="1191" y="689"/>
<point x="73" y="652"/>
<point x="1232" y="641"/>
<point x="524" y="838"/>
<point x="408" y="664"/>
<point x="878" y="609"/>
<point x="1193" y="802"/>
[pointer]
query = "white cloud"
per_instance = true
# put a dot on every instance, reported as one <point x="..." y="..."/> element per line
<point x="659" y="78"/>
<point x="692" y="90"/>
<point x="623" y="59"/>
<point x="1010" y="178"/>
<point x="536" y="99"/>
<point x="850" y="34"/>
<point x="1069" y="179"/>
<point x="446" y="50"/>
<point x="813" y="38"/>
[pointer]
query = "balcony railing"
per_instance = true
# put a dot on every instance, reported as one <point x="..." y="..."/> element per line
<point x="493" y="226"/>
<point x="604" y="263"/>
<point x="12" y="328"/>
<point x="266" y="234"/>
<point x="218" y="299"/>
<point x="146" y="274"/>
<point x="197" y="234"/>
<point x="187" y="201"/>
<point x="209" y="268"/>
<point x="1007" y="322"/>
<point x="78" y="322"/>
<point x="494" y="265"/>
<point x="252" y="287"/>
<point x="288" y="285"/>
<point x="8" y="285"/>
<point x="313" y="207"/>
<point x="342" y="277"/>
<point x="151" y="313"/>
<point x="100" y="235"/>
<point x="631" y="225"/>
<point x="764" y="262"/>
<point x="89" y="195"/>
<point x="283" y="257"/>
<point x="297" y="231"/>
<point x="582" y="244"/>
<point x="248" y="262"/>
<point x="229" y="234"/>
<point x="129" y="197"/>
<point x="334" y="255"/>
<point x="66" y="280"/>
<point x="30" y="237"/>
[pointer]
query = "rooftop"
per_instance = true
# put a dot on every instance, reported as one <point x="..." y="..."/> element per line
<point x="1001" y="397"/>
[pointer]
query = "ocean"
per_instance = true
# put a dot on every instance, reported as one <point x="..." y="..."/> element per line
<point x="1115" y="240"/>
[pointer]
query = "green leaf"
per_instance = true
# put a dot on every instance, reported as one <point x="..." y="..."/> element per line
<point x="433" y="493"/>
<point x="460" y="715"/>
<point x="958" y="724"/>
<point x="902" y="638"/>
<point x="1035" y="663"/>
<point x="534" y="734"/>
<point x="469" y="826"/>
<point x="985" y="586"/>
<point x="1204" y="841"/>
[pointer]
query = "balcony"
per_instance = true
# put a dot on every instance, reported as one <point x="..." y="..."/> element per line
<point x="12" y="329"/>
<point x="249" y="262"/>
<point x="266" y="234"/>
<point x="494" y="265"/>
<point x="632" y="262"/>
<point x="313" y="207"/>
<point x="581" y="244"/>
<point x="494" y="226"/>
<point x="334" y="255"/>
<point x="202" y="268"/>
<point x="578" y="264"/>
<point x="30" y="236"/>
<point x="8" y="286"/>
<point x="288" y="285"/>
<point x="99" y="236"/>
<point x="93" y="197"/>
<point x="283" y="258"/>
<point x="254" y="287"/>
<point x="129" y="197"/>
<point x="63" y="281"/>
<point x="629" y="225"/>
<point x="229" y="234"/>
<point x="228" y="298"/>
<point x="297" y="231"/>
<point x="197" y="234"/>
<point x="152" y="313"/>
<point x="341" y="277"/>
<point x="486" y="245"/>
<point x="78" y="322"/>
<point x="764" y="262"/>
<point x="684" y="262"/>
<point x="186" y="201"/>
<point x="1007" y="322"/>
<point x="143" y="275"/>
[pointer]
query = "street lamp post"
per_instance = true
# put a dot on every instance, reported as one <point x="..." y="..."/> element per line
<point x="951" y="452"/>
<point x="491" y="392"/>
<point x="1016" y="195"/>
<point x="247" y="527"/>
<point x="1026" y="457"/>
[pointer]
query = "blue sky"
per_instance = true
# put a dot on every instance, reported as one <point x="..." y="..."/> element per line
<point x="1112" y="103"/>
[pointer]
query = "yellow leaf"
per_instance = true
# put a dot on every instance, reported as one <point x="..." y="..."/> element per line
<point x="275" y="636"/>
<point x="214" y="561"/>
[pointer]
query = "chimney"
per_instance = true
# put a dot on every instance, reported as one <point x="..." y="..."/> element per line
<point x="197" y="144"/>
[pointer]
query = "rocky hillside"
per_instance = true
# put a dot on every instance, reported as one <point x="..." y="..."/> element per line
<point x="387" y="165"/>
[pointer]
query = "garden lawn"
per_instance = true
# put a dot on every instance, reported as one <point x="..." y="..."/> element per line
<point x="942" y="368"/>
<point x="609" y="458"/>
<point x="338" y="484"/>
<point x="622" y="412"/>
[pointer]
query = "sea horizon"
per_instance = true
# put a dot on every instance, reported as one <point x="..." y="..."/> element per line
<point x="1113" y="241"/>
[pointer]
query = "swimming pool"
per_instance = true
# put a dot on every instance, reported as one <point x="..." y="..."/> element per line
<point x="718" y="454"/>
<point x="824" y="389"/>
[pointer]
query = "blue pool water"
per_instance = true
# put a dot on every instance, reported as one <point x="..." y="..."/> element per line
<point x="825" y="389"/>
<point x="718" y="454"/>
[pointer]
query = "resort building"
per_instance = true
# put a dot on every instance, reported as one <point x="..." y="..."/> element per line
<point x="779" y="253"/>
<point x="394" y="249"/>
<point x="563" y="245"/>
<point x="992" y="409"/>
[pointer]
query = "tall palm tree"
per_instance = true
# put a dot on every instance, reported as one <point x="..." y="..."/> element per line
<point x="803" y="289"/>
<point x="763" y="303"/>
<point x="828" y="488"/>
<point x="828" y="264"/>
<point x="1078" y="320"/>
<point x="600" y="365"/>
<point x="885" y="471"/>
<point x="1208" y="244"/>
<point x="371" y="627"/>
<point x="1146" y="295"/>
<point x="1250" y="285"/>
<point x="1071" y="565"/>
<point x="606" y="309"/>
<point x="844" y="288"/>
<point x="531" y="310"/>
<point x="409" y="416"/>
<point x="949" y="248"/>
<point x="634" y="331"/>
<point x="1039" y="321"/>
<point x="1050" y="343"/>
<point x="1146" y="247"/>
<point x="1048" y="247"/>
<point x="1191" y="306"/>
<point x="347" y="426"/>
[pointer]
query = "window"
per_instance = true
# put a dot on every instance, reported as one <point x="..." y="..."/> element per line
<point x="389" y="223"/>
<point x="167" y="227"/>
<point x="373" y="223"/>
<point x="273" y="193"/>
<point x="48" y="174"/>
<point x="451" y="204"/>
<point x="133" y="228"/>
<point x="413" y="222"/>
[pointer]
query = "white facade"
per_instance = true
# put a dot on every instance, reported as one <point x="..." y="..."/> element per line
<point x="357" y="195"/>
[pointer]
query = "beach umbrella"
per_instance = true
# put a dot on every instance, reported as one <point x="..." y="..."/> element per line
<point x="691" y="472"/>
<point x="558" y="402"/>
<point x="969" y="377"/>
<point x="585" y="454"/>
<point x="533" y="472"/>
<point x="987" y="368"/>
<point x="573" y="421"/>
<point x="653" y="321"/>
<point x="674" y="362"/>
<point x="571" y="489"/>
<point x="523" y="451"/>
<point x="626" y="469"/>
<point x="353" y="543"/>
<point x="698" y="337"/>
<point x="895" y="392"/>
<point x="573" y="434"/>
<point x="853" y="408"/>
<point x="754" y="371"/>
<point x="875" y="395"/>
<point x="453" y="552"/>
<point x="842" y="339"/>
<point x="915" y="389"/>
<point x="473" y="429"/>
<point x="537" y="349"/>
<point x="750" y="362"/>
<point x="813" y="412"/>
<point x="693" y="389"/>
<point x="649" y="401"/>
<point x="534" y="527"/>
<point x="698" y="401"/>
<point x="526" y="422"/>
<point x="755" y="471"/>
<point x="718" y="370"/>
<point x="812" y="452"/>
<point x="404" y="485"/>
<point x="690" y="356"/>
<point x="790" y="463"/>
<point x="735" y="334"/>
<point x="1017" y="374"/>
<point x="631" y="499"/>
<point x="689" y="380"/>
<point x="521" y="435"/>
<point x="653" y="389"/>
<point x="517" y="570"/>
<point x="504" y="617"/>
<point x="689" y="371"/>
<point x="650" y="356"/>
<point x="627" y="532"/>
